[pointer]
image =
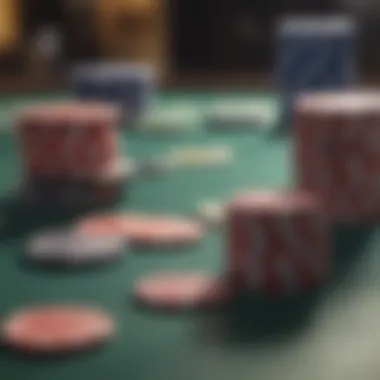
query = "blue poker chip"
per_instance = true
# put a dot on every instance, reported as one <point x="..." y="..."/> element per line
<point x="129" y="85"/>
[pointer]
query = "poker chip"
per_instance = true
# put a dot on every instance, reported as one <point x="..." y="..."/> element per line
<point x="242" y="114"/>
<point x="330" y="45"/>
<point x="193" y="156"/>
<point x="70" y="248"/>
<point x="81" y="189"/>
<point x="169" y="120"/>
<point x="162" y="231"/>
<point x="147" y="168"/>
<point x="101" y="224"/>
<point x="56" y="329"/>
<point x="271" y="202"/>
<point x="145" y="230"/>
<point x="129" y="85"/>
<point x="67" y="138"/>
<point x="78" y="113"/>
<point x="278" y="241"/>
<point x="119" y="168"/>
<point x="211" y="212"/>
<point x="336" y="136"/>
<point x="181" y="291"/>
<point x="342" y="103"/>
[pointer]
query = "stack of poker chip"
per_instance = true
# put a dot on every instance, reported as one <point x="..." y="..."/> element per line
<point x="278" y="242"/>
<point x="128" y="85"/>
<point x="69" y="153"/>
<point x="314" y="53"/>
<point x="337" y="136"/>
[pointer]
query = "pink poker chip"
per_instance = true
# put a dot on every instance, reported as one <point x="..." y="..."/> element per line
<point x="57" y="329"/>
<point x="178" y="291"/>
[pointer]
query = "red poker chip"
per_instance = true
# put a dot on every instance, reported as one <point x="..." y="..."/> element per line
<point x="103" y="224"/>
<point x="83" y="113"/>
<point x="162" y="231"/>
<point x="145" y="230"/>
<point x="178" y="291"/>
<point x="56" y="329"/>
<point x="269" y="202"/>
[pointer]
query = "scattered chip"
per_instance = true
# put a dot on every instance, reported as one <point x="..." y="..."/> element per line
<point x="211" y="212"/>
<point x="145" y="230"/>
<point x="102" y="225"/>
<point x="162" y="231"/>
<point x="200" y="155"/>
<point x="66" y="247"/>
<point x="179" y="291"/>
<point x="247" y="114"/>
<point x="56" y="329"/>
<point x="152" y="167"/>
<point x="170" y="119"/>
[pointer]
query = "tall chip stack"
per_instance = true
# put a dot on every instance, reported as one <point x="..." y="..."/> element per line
<point x="277" y="242"/>
<point x="337" y="139"/>
<point x="70" y="154"/>
<point x="131" y="86"/>
<point x="314" y="54"/>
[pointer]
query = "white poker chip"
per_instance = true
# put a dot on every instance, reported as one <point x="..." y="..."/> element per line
<point x="353" y="103"/>
<point x="254" y="113"/>
<point x="316" y="26"/>
<point x="66" y="247"/>
<point x="207" y="155"/>
<point x="211" y="212"/>
<point x="171" y="119"/>
<point x="119" y="169"/>
<point x="153" y="167"/>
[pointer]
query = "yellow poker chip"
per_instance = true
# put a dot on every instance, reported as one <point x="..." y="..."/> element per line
<point x="211" y="212"/>
<point x="201" y="155"/>
<point x="171" y="119"/>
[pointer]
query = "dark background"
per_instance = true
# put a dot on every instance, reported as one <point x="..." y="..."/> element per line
<point x="210" y="36"/>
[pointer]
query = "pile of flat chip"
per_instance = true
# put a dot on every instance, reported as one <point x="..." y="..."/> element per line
<point x="101" y="238"/>
<point x="70" y="153"/>
<point x="144" y="230"/>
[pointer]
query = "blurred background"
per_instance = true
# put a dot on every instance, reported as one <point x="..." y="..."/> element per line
<point x="191" y="42"/>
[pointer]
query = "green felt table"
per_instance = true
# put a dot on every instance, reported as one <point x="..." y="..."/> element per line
<point x="305" y="336"/>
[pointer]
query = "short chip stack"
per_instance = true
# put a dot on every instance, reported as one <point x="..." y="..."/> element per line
<point x="70" y="152"/>
<point x="128" y="85"/>
<point x="337" y="137"/>
<point x="314" y="53"/>
<point x="277" y="242"/>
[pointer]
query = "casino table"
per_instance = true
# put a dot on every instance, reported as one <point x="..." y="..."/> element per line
<point x="330" y="333"/>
